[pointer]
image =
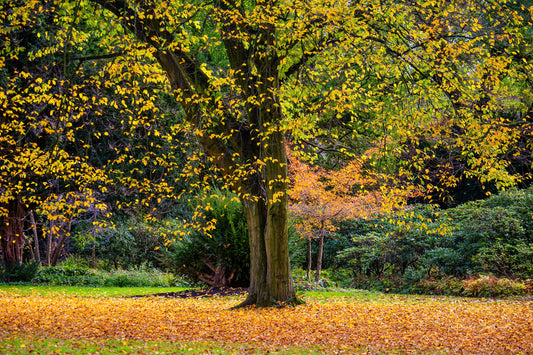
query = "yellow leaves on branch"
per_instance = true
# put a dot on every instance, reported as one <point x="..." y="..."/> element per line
<point x="425" y="325"/>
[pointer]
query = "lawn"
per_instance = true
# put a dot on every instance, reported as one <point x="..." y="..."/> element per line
<point x="101" y="320"/>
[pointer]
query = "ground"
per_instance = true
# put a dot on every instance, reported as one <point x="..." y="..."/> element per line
<point x="206" y="292"/>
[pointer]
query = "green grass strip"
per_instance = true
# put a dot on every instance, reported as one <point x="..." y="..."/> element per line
<point x="83" y="291"/>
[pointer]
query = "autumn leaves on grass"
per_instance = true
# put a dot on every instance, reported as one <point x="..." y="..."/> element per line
<point x="453" y="325"/>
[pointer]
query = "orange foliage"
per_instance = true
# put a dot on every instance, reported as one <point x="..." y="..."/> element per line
<point x="446" y="325"/>
<point x="321" y="196"/>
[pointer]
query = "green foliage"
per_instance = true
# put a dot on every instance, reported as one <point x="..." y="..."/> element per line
<point x="75" y="272"/>
<point x="507" y="259"/>
<point x="139" y="277"/>
<point x="425" y="243"/>
<point x="490" y="286"/>
<point x="447" y="286"/>
<point x="127" y="244"/>
<point x="297" y="248"/>
<point x="18" y="273"/>
<point x="220" y="246"/>
<point x="384" y="245"/>
<point x="69" y="275"/>
<point x="482" y="286"/>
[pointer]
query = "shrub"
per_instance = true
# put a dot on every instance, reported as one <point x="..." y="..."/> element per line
<point x="505" y="259"/>
<point x="493" y="235"/>
<point x="481" y="286"/>
<point x="128" y="244"/>
<point x="490" y="286"/>
<point x="220" y="257"/>
<point x="74" y="274"/>
<point x="19" y="273"/>
<point x="448" y="286"/>
<point x="68" y="275"/>
<point x="142" y="276"/>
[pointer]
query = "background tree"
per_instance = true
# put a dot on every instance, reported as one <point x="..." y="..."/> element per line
<point x="74" y="146"/>
<point x="320" y="199"/>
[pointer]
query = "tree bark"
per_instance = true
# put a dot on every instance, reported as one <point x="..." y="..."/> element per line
<point x="309" y="257"/>
<point x="319" y="256"/>
<point x="270" y="276"/>
<point x="61" y="244"/>
<point x="50" y="236"/>
<point x="37" y="250"/>
<point x="11" y="234"/>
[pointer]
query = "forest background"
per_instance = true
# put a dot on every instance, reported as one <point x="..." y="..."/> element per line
<point x="360" y="131"/>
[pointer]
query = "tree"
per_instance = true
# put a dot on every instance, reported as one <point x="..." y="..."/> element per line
<point x="74" y="147"/>
<point x="321" y="198"/>
<point x="40" y="102"/>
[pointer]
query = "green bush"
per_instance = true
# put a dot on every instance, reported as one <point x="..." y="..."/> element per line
<point x="490" y="286"/>
<point x="19" y="273"/>
<point x="68" y="275"/>
<point x="506" y="259"/>
<point x="139" y="278"/>
<point x="74" y="272"/>
<point x="129" y="244"/>
<point x="387" y="247"/>
<point x="481" y="286"/>
<point x="425" y="243"/>
<point x="219" y="257"/>
<point x="447" y="286"/>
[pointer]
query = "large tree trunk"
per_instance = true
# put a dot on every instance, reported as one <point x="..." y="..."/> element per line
<point x="270" y="274"/>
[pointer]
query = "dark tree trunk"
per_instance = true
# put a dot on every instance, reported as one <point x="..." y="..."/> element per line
<point x="270" y="274"/>
<point x="12" y="234"/>
<point x="319" y="256"/>
<point x="309" y="257"/>
<point x="60" y="246"/>
<point x="37" y="250"/>
<point x="49" y="237"/>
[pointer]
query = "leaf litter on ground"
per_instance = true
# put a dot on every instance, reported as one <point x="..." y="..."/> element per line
<point x="453" y="325"/>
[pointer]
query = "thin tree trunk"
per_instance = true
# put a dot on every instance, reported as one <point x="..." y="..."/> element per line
<point x="319" y="256"/>
<point x="309" y="258"/>
<point x="61" y="244"/>
<point x="50" y="236"/>
<point x="37" y="251"/>
<point x="93" y="255"/>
